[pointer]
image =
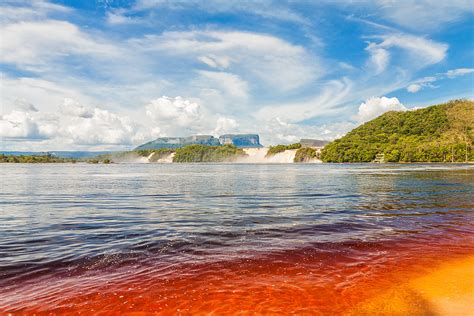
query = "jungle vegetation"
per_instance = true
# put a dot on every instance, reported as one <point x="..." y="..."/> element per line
<point x="439" y="133"/>
<point x="204" y="153"/>
<point x="34" y="159"/>
<point x="125" y="156"/>
<point x="273" y="150"/>
<point x="305" y="154"/>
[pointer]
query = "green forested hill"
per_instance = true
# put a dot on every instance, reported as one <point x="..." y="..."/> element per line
<point x="439" y="133"/>
<point x="204" y="153"/>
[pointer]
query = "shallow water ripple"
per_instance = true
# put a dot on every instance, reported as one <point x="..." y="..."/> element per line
<point x="69" y="229"/>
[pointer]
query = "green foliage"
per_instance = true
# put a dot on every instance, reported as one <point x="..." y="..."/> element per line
<point x="293" y="146"/>
<point x="273" y="150"/>
<point x="132" y="155"/>
<point x="204" y="153"/>
<point x="440" y="133"/>
<point x="34" y="159"/>
<point x="305" y="154"/>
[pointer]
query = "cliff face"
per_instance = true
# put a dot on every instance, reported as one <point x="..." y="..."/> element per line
<point x="178" y="142"/>
<point x="241" y="140"/>
<point x="238" y="140"/>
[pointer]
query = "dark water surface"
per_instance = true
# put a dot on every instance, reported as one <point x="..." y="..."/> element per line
<point x="63" y="225"/>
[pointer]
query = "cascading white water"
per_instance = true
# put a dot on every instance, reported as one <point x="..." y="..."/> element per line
<point x="131" y="158"/>
<point x="254" y="155"/>
<point x="166" y="159"/>
<point x="257" y="155"/>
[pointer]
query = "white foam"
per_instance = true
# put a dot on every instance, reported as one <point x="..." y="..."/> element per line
<point x="166" y="159"/>
<point x="258" y="155"/>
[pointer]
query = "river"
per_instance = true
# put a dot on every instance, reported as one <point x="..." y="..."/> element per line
<point x="224" y="238"/>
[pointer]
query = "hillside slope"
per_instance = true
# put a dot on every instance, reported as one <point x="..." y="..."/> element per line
<point x="439" y="133"/>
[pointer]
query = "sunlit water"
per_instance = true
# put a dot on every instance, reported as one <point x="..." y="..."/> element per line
<point x="224" y="238"/>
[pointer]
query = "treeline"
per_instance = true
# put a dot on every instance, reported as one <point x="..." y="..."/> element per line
<point x="157" y="153"/>
<point x="273" y="150"/>
<point x="50" y="159"/>
<point x="204" y="153"/>
<point x="34" y="159"/>
<point x="440" y="133"/>
<point x="130" y="156"/>
<point x="189" y="153"/>
<point x="305" y="154"/>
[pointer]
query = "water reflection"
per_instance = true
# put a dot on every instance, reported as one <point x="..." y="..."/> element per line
<point x="61" y="221"/>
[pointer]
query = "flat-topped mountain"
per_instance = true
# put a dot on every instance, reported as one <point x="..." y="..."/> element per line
<point x="439" y="133"/>
<point x="178" y="142"/>
<point x="241" y="140"/>
<point x="238" y="140"/>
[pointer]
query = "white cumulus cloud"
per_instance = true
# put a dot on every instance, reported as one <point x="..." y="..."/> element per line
<point x="23" y="125"/>
<point x="77" y="126"/>
<point x="175" y="115"/>
<point x="101" y="127"/>
<point x="24" y="105"/>
<point x="374" y="107"/>
<point x="73" y="108"/>
<point x="181" y="111"/>
<point x="225" y="125"/>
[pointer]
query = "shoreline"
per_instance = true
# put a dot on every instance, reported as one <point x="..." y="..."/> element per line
<point x="241" y="163"/>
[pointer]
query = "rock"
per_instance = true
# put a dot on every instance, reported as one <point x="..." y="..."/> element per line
<point x="238" y="140"/>
<point x="178" y="142"/>
<point x="241" y="140"/>
<point x="307" y="142"/>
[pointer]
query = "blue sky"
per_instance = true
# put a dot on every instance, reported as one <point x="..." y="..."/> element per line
<point x="96" y="75"/>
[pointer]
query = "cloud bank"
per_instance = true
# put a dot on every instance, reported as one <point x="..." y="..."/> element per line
<point x="128" y="74"/>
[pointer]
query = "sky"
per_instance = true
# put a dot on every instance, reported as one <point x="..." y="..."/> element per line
<point x="112" y="74"/>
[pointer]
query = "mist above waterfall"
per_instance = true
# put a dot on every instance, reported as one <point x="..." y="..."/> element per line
<point x="253" y="156"/>
<point x="258" y="155"/>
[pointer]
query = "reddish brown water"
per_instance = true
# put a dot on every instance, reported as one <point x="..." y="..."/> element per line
<point x="280" y="261"/>
<point x="323" y="281"/>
